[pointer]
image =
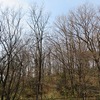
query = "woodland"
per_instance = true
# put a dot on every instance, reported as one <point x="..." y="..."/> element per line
<point x="40" y="61"/>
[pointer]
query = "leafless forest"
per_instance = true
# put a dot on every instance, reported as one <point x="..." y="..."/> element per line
<point x="43" y="62"/>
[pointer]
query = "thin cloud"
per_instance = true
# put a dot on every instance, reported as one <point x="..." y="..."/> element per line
<point x="13" y="3"/>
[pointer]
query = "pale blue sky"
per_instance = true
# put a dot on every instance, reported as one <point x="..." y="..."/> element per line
<point x="55" y="7"/>
<point x="59" y="7"/>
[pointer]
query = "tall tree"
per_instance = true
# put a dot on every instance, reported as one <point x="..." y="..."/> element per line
<point x="11" y="57"/>
<point x="38" y="23"/>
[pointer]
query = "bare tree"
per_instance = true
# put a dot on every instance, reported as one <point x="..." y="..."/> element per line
<point x="38" y="23"/>
<point x="64" y="48"/>
<point x="11" y="57"/>
<point x="86" y="27"/>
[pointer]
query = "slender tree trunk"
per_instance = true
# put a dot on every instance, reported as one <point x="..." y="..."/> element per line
<point x="98" y="66"/>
